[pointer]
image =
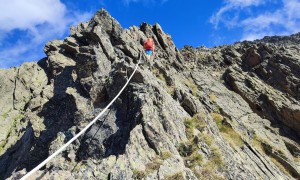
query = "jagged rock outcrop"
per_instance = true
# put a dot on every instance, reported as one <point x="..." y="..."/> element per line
<point x="230" y="112"/>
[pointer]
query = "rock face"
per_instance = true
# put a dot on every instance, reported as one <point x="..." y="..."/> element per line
<point x="230" y="112"/>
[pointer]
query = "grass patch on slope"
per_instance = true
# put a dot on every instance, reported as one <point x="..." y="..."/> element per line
<point x="190" y="83"/>
<point x="227" y="131"/>
<point x="10" y="131"/>
<point x="191" y="151"/>
<point x="152" y="166"/>
<point x="5" y="115"/>
<point x="260" y="144"/>
<point x="196" y="122"/>
<point x="213" y="97"/>
<point x="177" y="176"/>
<point x="171" y="89"/>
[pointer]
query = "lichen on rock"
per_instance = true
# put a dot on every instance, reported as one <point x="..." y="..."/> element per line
<point x="228" y="112"/>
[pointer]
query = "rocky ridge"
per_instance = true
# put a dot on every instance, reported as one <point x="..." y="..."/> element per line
<point x="229" y="112"/>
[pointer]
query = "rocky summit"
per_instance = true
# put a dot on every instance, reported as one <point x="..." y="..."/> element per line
<point x="228" y="112"/>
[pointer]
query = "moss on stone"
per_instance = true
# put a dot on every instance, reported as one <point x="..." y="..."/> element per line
<point x="150" y="167"/>
<point x="280" y="166"/>
<point x="208" y="173"/>
<point x="165" y="155"/>
<point x="177" y="176"/>
<point x="171" y="89"/>
<point x="186" y="149"/>
<point x="15" y="122"/>
<point x="196" y="122"/>
<point x="190" y="83"/>
<point x="153" y="166"/>
<point x="5" y="115"/>
<point x="190" y="150"/>
<point x="227" y="131"/>
<point x="159" y="75"/>
<point x="260" y="145"/>
<point x="207" y="139"/>
<point x="213" y="97"/>
<point x="3" y="144"/>
<point x="216" y="157"/>
<point x="1" y="147"/>
<point x="138" y="174"/>
<point x="195" y="159"/>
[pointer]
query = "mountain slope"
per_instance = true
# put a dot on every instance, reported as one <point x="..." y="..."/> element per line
<point x="230" y="112"/>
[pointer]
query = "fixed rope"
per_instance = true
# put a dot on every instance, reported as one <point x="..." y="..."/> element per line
<point x="83" y="130"/>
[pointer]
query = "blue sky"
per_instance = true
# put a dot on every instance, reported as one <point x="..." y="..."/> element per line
<point x="26" y="25"/>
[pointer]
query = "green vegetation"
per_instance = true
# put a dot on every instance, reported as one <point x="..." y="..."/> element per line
<point x="194" y="159"/>
<point x="138" y="174"/>
<point x="159" y="75"/>
<point x="260" y="145"/>
<point x="79" y="166"/>
<point x="171" y="89"/>
<point x="5" y="115"/>
<point x="186" y="149"/>
<point x="216" y="158"/>
<point x="190" y="83"/>
<point x="263" y="146"/>
<point x="1" y="147"/>
<point x="217" y="117"/>
<point x="165" y="155"/>
<point x="162" y="78"/>
<point x="108" y="79"/>
<point x="229" y="134"/>
<point x="155" y="71"/>
<point x="177" y="176"/>
<point x="190" y="150"/>
<point x="213" y="97"/>
<point x="150" y="167"/>
<point x="15" y="122"/>
<point x="280" y="166"/>
<point x="153" y="166"/>
<point x="257" y="142"/>
<point x="196" y="122"/>
<point x="208" y="173"/>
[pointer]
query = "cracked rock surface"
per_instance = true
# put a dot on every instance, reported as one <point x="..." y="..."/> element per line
<point x="229" y="112"/>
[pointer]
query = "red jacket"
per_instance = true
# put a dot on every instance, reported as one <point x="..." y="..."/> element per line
<point x="149" y="44"/>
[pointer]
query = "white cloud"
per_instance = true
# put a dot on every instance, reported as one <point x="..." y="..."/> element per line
<point x="11" y="56"/>
<point x="19" y="14"/>
<point x="232" y="5"/>
<point x="38" y="22"/>
<point x="293" y="8"/>
<point x="243" y="3"/>
<point x="127" y="2"/>
<point x="283" y="20"/>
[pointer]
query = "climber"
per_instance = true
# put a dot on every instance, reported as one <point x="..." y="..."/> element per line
<point x="149" y="48"/>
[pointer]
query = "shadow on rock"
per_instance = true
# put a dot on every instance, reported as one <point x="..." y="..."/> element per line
<point x="111" y="134"/>
<point x="13" y="157"/>
<point x="58" y="115"/>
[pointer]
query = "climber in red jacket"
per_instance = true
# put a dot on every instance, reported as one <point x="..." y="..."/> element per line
<point x="149" y="47"/>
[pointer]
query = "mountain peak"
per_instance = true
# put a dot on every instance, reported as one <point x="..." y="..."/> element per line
<point x="230" y="112"/>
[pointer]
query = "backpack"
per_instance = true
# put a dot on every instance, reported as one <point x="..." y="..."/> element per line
<point x="149" y="44"/>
